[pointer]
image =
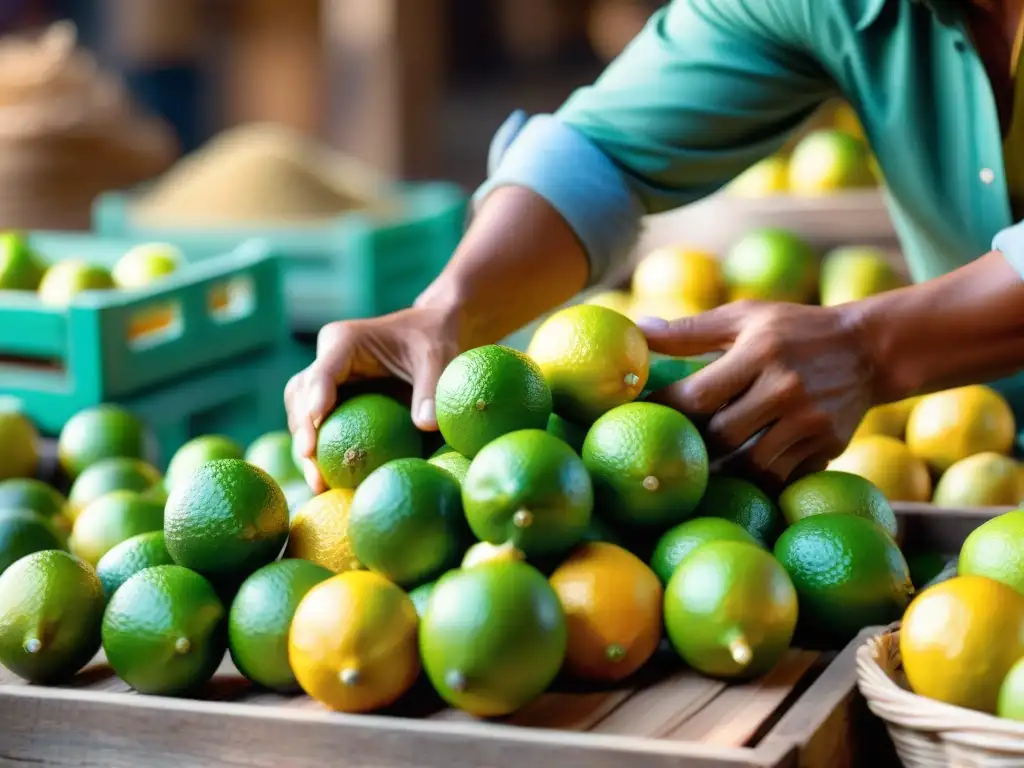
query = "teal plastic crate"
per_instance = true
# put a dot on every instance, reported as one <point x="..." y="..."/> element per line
<point x="109" y="346"/>
<point x="354" y="266"/>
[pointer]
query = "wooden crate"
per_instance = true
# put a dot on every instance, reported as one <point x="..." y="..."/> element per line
<point x="803" y="713"/>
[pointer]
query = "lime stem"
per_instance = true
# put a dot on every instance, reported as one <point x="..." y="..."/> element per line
<point x="740" y="651"/>
<point x="651" y="483"/>
<point x="615" y="652"/>
<point x="455" y="680"/>
<point x="182" y="645"/>
<point x="349" y="676"/>
<point x="522" y="519"/>
<point x="480" y="405"/>
<point x="33" y="645"/>
<point x="631" y="379"/>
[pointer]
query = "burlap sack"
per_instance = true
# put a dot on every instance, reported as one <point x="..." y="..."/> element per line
<point x="68" y="131"/>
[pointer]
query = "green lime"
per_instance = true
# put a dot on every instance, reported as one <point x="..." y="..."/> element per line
<point x="833" y="492"/>
<point x="227" y="519"/>
<point x="925" y="566"/>
<point x="19" y="451"/>
<point x="848" y="573"/>
<point x="165" y="631"/>
<point x="995" y="549"/>
<point x="103" y="432"/>
<point x="771" y="265"/>
<point x="730" y="610"/>
<point x="678" y="542"/>
<point x="51" y="606"/>
<point x="406" y="522"/>
<point x="666" y="371"/>
<point x="196" y="452"/>
<point x="273" y="454"/>
<point x="156" y="492"/>
<point x="363" y="434"/>
<point x="488" y="392"/>
<point x="23" y="532"/>
<point x="145" y="264"/>
<point x="599" y="530"/>
<point x="743" y="503"/>
<point x="37" y="496"/>
<point x="261" y="616"/>
<point x="569" y="432"/>
<point x="648" y="463"/>
<point x="111" y="519"/>
<point x="121" y="562"/>
<point x="21" y="268"/>
<point x="1011" y="694"/>
<point x="531" y="489"/>
<point x="109" y="475"/>
<point x="66" y="279"/>
<point x="493" y="637"/>
<point x="421" y="597"/>
<point x="296" y="493"/>
<point x="450" y="460"/>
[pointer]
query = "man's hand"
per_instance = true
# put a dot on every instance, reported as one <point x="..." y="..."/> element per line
<point x="413" y="345"/>
<point x="798" y="378"/>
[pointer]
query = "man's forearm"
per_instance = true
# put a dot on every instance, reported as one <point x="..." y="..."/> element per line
<point x="518" y="260"/>
<point x="964" y="327"/>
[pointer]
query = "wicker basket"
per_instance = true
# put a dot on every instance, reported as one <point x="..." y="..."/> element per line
<point x="928" y="733"/>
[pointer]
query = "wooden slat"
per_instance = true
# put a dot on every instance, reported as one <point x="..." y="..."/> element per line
<point x="570" y="711"/>
<point x="660" y="708"/>
<point x="740" y="711"/>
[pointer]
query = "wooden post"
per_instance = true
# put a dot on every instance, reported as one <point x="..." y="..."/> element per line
<point x="386" y="69"/>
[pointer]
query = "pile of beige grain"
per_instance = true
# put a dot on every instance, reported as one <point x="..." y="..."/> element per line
<point x="68" y="131"/>
<point x="260" y="173"/>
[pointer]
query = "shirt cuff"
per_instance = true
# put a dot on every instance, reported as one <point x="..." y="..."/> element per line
<point x="1010" y="242"/>
<point x="576" y="178"/>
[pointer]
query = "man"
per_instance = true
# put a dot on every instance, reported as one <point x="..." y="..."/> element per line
<point x="708" y="88"/>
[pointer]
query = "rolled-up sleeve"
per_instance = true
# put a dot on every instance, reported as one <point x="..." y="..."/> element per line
<point x="1010" y="242"/>
<point x="708" y="88"/>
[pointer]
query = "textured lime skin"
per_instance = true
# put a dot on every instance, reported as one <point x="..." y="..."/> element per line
<point x="727" y="591"/>
<point x="29" y="493"/>
<point x="23" y="532"/>
<point x="498" y="628"/>
<point x="995" y="549"/>
<point x="145" y="550"/>
<point x="111" y="519"/>
<point x="228" y="519"/>
<point x="59" y="594"/>
<point x="103" y="432"/>
<point x="109" y="475"/>
<point x="678" y="542"/>
<point x="848" y="572"/>
<point x="406" y="522"/>
<point x="833" y="492"/>
<point x="648" y="463"/>
<point x="666" y="371"/>
<point x="530" y="488"/>
<point x="363" y="434"/>
<point x="569" y="432"/>
<point x="196" y="452"/>
<point x="743" y="503"/>
<point x="165" y="631"/>
<point x="450" y="460"/>
<point x="421" y="597"/>
<point x="488" y="392"/>
<point x="261" y="616"/>
<point x="273" y="454"/>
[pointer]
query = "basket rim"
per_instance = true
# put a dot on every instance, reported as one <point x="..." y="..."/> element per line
<point x="905" y="709"/>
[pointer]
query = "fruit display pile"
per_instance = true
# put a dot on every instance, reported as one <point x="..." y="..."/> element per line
<point x="952" y="448"/>
<point x="565" y="527"/>
<point x="22" y="269"/>
<point x="962" y="639"/>
<point x="768" y="264"/>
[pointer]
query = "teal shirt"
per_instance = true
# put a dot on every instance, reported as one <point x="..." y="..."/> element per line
<point x="712" y="86"/>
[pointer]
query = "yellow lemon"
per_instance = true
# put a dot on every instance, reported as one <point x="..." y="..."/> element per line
<point x="666" y="309"/>
<point x="889" y="464"/>
<point x="352" y="644"/>
<point x="960" y="638"/>
<point x="845" y="119"/>
<point x="763" y="179"/>
<point x="982" y="480"/>
<point x="889" y="419"/>
<point x="948" y="426"/>
<point x="677" y="274"/>
<point x="620" y="301"/>
<point x="593" y="359"/>
<point x="319" y="531"/>
<point x="145" y="264"/>
<point x="828" y="161"/>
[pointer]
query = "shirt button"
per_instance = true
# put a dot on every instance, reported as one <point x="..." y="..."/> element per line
<point x="986" y="175"/>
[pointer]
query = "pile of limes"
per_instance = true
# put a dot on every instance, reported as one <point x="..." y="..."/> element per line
<point x="567" y="526"/>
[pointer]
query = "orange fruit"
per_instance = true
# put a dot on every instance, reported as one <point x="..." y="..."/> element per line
<point x="613" y="604"/>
